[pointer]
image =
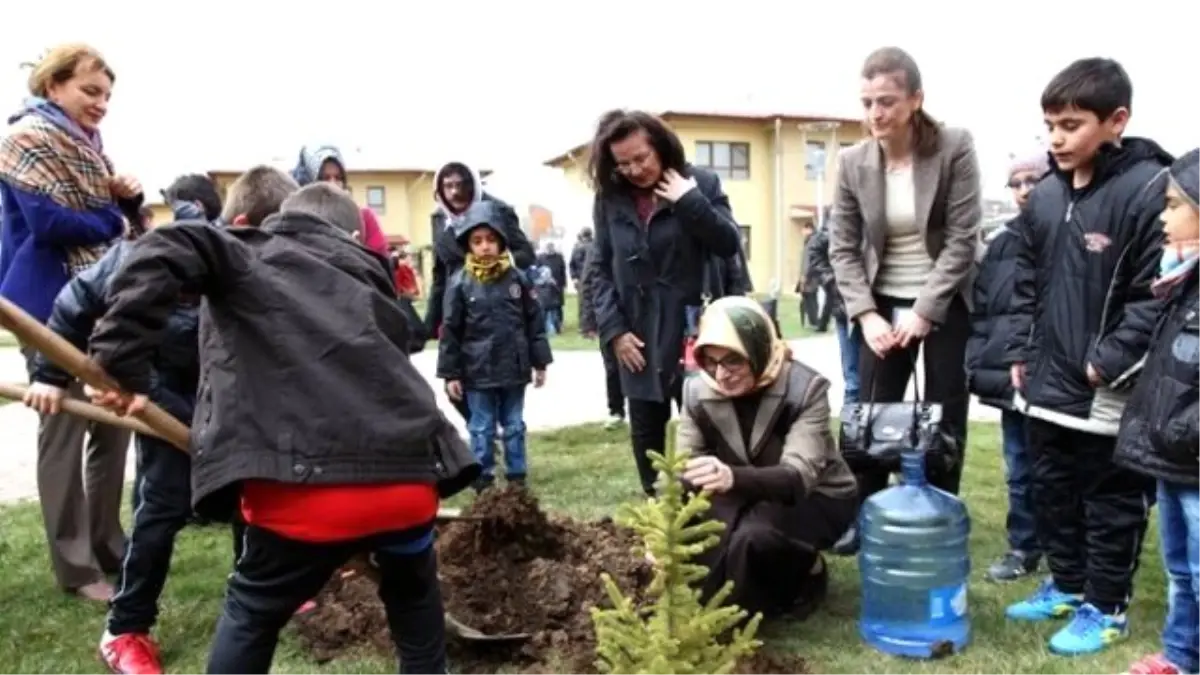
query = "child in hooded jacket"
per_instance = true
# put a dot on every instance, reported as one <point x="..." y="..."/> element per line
<point x="988" y="374"/>
<point x="1159" y="436"/>
<point x="493" y="337"/>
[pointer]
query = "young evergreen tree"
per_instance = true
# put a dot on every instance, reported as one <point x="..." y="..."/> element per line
<point x="675" y="633"/>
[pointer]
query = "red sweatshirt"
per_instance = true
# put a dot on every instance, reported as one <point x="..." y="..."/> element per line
<point x="372" y="233"/>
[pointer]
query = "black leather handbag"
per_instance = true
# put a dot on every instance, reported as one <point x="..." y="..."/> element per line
<point x="873" y="435"/>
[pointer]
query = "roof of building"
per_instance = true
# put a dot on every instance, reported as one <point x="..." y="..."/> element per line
<point x="724" y="114"/>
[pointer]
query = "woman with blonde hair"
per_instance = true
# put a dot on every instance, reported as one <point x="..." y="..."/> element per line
<point x="63" y="207"/>
<point x="757" y="424"/>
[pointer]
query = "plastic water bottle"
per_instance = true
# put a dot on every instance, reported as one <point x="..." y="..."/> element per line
<point x="915" y="567"/>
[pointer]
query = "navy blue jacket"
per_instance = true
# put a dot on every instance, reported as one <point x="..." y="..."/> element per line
<point x="175" y="363"/>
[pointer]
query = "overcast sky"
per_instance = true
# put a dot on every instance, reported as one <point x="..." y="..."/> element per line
<point x="225" y="83"/>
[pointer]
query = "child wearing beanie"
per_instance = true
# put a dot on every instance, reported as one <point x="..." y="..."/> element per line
<point x="1158" y="436"/>
<point x="988" y="376"/>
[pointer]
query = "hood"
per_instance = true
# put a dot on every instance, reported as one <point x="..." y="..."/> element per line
<point x="1112" y="160"/>
<point x="36" y="105"/>
<point x="308" y="166"/>
<point x="187" y="211"/>
<point x="1185" y="174"/>
<point x="481" y="213"/>
<point x="476" y="182"/>
<point x="741" y="325"/>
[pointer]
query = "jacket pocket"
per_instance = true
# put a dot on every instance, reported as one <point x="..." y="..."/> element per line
<point x="1173" y="423"/>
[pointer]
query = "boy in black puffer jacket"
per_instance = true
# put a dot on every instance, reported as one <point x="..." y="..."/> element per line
<point x="162" y="483"/>
<point x="493" y="336"/>
<point x="1083" y="312"/>
<point x="988" y="374"/>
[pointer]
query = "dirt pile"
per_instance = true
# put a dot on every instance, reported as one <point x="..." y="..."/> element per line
<point x="506" y="568"/>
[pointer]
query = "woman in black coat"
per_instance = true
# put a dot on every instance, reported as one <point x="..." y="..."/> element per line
<point x="657" y="220"/>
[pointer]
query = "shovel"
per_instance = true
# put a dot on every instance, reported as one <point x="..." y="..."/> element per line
<point x="158" y="422"/>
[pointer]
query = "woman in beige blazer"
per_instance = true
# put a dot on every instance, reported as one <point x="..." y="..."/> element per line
<point x="902" y="243"/>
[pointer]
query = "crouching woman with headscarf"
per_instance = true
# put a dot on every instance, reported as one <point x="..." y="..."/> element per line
<point x="757" y="424"/>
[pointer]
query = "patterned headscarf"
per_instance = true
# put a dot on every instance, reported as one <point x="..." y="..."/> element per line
<point x="741" y="325"/>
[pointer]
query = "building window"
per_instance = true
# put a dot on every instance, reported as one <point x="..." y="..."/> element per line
<point x="744" y="231"/>
<point x="377" y="199"/>
<point x="814" y="160"/>
<point x="728" y="160"/>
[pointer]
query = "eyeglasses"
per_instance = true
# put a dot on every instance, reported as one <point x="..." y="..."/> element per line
<point x="639" y="162"/>
<point x="1015" y="184"/>
<point x="730" y="362"/>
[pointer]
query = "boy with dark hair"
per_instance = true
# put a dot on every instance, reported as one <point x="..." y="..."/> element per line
<point x="494" y="335"/>
<point x="162" y="482"/>
<point x="197" y="189"/>
<point x="1082" y="308"/>
<point x="318" y="430"/>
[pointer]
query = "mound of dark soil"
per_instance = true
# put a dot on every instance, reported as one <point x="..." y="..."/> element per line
<point x="507" y="568"/>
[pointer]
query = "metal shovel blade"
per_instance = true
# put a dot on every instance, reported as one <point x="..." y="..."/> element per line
<point x="365" y="565"/>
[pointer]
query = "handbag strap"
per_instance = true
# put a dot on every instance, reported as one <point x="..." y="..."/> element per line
<point x="917" y="400"/>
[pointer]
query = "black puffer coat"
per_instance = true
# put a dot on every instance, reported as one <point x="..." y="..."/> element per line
<point x="992" y="321"/>
<point x="494" y="332"/>
<point x="1085" y="261"/>
<point x="1159" y="435"/>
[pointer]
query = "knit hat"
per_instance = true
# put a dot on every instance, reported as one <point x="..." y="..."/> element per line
<point x="1037" y="163"/>
<point x="1185" y="176"/>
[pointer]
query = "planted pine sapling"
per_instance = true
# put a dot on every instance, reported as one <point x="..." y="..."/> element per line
<point x="675" y="632"/>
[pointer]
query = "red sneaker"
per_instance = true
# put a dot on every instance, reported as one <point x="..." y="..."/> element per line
<point x="1155" y="664"/>
<point x="130" y="654"/>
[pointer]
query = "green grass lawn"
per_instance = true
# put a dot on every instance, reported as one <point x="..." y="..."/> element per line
<point x="585" y="472"/>
<point x="571" y="340"/>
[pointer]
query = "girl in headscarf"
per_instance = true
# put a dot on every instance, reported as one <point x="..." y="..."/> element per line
<point x="325" y="163"/>
<point x="757" y="424"/>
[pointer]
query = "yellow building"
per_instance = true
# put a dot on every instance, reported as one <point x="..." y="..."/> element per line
<point x="769" y="166"/>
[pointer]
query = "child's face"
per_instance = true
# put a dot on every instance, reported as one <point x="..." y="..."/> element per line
<point x="1180" y="219"/>
<point x="1022" y="183"/>
<point x="1076" y="135"/>
<point x="483" y="243"/>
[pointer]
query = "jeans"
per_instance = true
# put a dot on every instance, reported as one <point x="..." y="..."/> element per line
<point x="554" y="320"/>
<point x="1018" y="474"/>
<point x="506" y="408"/>
<point x="849" y="344"/>
<point x="1179" y="529"/>
<point x="164" y="488"/>
<point x="275" y="575"/>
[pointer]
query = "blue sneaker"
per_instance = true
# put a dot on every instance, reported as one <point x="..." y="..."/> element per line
<point x="1046" y="603"/>
<point x="1090" y="631"/>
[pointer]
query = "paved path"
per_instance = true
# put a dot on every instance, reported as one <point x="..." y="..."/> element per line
<point x="574" y="394"/>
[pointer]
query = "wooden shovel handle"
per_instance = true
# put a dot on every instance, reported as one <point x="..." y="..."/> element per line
<point x="31" y="332"/>
<point x="16" y="392"/>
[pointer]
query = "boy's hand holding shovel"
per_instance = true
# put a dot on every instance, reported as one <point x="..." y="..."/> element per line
<point x="120" y="403"/>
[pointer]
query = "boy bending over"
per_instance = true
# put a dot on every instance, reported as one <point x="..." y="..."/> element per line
<point x="310" y="420"/>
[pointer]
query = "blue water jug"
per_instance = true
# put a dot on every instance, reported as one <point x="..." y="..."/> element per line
<point x="915" y="567"/>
